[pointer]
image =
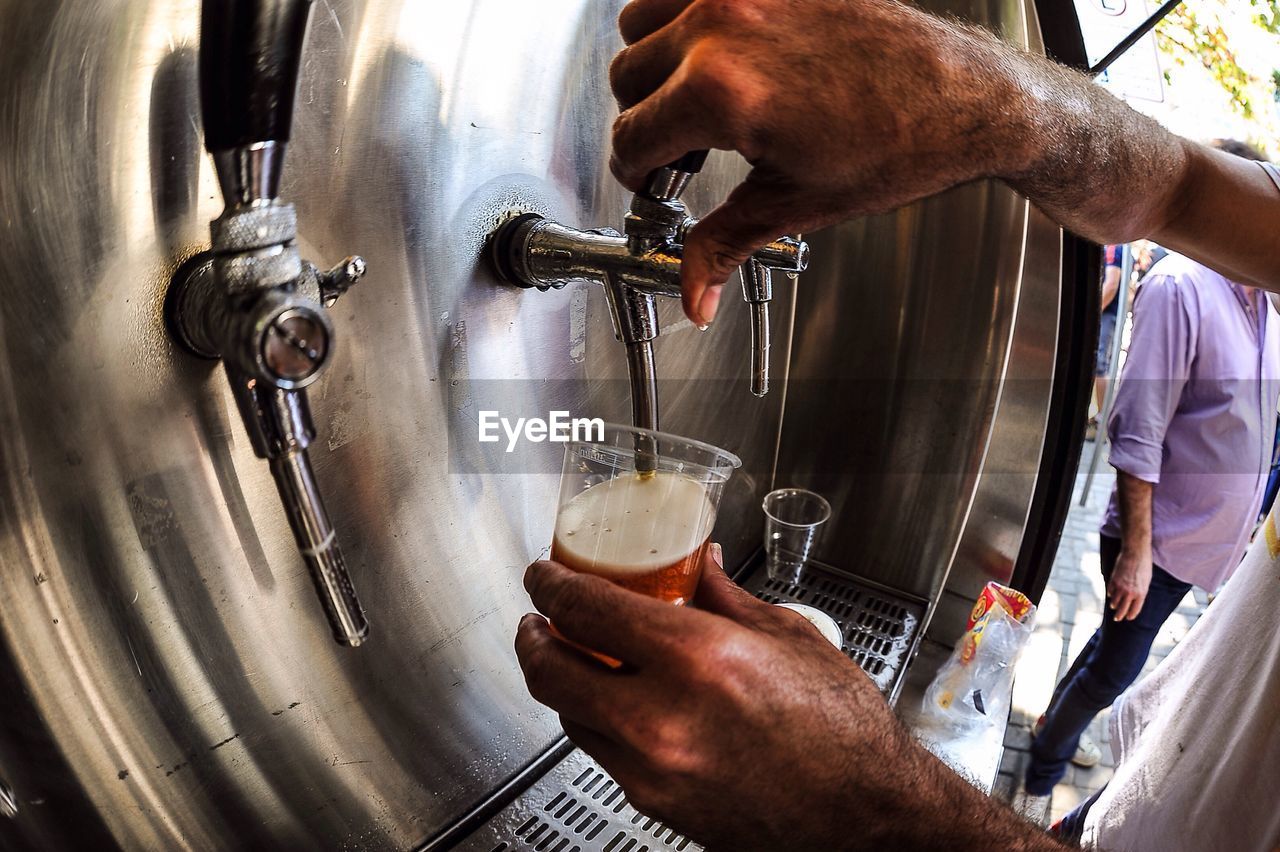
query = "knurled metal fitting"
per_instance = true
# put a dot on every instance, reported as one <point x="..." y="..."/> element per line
<point x="247" y="228"/>
<point x="244" y="273"/>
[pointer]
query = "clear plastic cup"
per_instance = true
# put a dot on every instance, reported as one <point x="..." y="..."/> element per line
<point x="793" y="523"/>
<point x="637" y="508"/>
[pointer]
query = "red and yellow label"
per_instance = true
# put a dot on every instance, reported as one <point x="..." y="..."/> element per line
<point x="994" y="596"/>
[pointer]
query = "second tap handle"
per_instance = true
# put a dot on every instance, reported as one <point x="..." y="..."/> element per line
<point x="691" y="162"/>
<point x="250" y="51"/>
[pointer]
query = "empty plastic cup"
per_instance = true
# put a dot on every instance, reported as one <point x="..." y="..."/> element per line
<point x="793" y="522"/>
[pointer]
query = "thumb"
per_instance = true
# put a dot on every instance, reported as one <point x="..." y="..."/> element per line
<point x="720" y="595"/>
<point x="722" y="242"/>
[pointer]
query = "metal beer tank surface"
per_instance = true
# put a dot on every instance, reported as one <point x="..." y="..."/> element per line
<point x="956" y="299"/>
<point x="174" y="680"/>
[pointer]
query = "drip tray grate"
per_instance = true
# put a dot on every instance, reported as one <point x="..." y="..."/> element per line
<point x="878" y="628"/>
<point x="577" y="807"/>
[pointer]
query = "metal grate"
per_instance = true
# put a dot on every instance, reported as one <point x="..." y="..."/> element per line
<point x="878" y="627"/>
<point x="575" y="807"/>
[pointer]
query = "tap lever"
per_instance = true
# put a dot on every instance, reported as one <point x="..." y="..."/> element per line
<point x="250" y="52"/>
<point x="668" y="182"/>
<point x="785" y="254"/>
<point x="341" y="278"/>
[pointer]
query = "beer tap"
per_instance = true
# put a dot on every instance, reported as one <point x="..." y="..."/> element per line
<point x="637" y="266"/>
<point x="757" y="291"/>
<point x="252" y="301"/>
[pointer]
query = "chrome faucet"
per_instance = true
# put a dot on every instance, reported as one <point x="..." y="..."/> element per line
<point x="637" y="266"/>
<point x="251" y="301"/>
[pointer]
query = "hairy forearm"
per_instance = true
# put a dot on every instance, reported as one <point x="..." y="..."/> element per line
<point x="945" y="811"/>
<point x="1112" y="175"/>
<point x="1096" y="166"/>
<point x="1134" y="496"/>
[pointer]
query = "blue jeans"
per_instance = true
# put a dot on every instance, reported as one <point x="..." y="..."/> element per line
<point x="1106" y="332"/>
<point x="1106" y="667"/>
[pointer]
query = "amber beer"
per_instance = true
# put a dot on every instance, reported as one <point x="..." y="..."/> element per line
<point x="645" y="532"/>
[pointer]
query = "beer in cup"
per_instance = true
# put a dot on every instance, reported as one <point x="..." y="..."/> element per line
<point x="637" y="507"/>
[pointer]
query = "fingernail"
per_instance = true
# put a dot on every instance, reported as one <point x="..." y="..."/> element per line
<point x="717" y="554"/>
<point x="525" y="619"/>
<point x="710" y="304"/>
<point x="704" y="326"/>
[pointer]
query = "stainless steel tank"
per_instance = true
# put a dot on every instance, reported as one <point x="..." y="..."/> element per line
<point x="169" y="680"/>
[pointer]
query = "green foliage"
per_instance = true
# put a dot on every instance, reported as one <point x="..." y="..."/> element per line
<point x="1267" y="15"/>
<point x="1185" y="38"/>
<point x="1196" y="33"/>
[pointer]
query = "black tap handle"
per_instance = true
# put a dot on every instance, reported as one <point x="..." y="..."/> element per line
<point x="691" y="162"/>
<point x="666" y="183"/>
<point x="250" y="51"/>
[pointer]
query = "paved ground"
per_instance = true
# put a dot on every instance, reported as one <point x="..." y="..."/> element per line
<point x="1069" y="613"/>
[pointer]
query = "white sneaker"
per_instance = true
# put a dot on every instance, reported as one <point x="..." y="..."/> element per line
<point x="1032" y="808"/>
<point x="1088" y="753"/>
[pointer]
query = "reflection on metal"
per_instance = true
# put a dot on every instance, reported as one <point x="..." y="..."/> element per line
<point x="8" y="801"/>
<point x="916" y="390"/>
<point x="992" y="538"/>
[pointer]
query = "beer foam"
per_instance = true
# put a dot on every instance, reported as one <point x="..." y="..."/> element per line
<point x="629" y="524"/>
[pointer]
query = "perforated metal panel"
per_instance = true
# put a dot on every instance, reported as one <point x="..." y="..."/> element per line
<point x="878" y="628"/>
<point x="577" y="807"/>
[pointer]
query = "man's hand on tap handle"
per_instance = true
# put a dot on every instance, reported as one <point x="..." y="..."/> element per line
<point x="738" y="724"/>
<point x="851" y="107"/>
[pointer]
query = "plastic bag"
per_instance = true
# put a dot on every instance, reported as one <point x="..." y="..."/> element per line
<point x="972" y="688"/>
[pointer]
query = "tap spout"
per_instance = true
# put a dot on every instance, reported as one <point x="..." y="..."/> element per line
<point x="280" y="430"/>
<point x="318" y="544"/>
<point x="757" y="291"/>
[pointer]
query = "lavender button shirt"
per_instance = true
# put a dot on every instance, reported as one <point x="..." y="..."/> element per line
<point x="1195" y="414"/>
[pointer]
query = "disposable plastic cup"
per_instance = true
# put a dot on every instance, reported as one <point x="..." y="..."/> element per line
<point x="794" y="520"/>
<point x="637" y="508"/>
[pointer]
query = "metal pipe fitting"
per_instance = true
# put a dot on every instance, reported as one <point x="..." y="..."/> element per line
<point x="635" y="267"/>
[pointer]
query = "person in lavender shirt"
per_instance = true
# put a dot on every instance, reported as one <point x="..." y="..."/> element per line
<point x="1191" y="440"/>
